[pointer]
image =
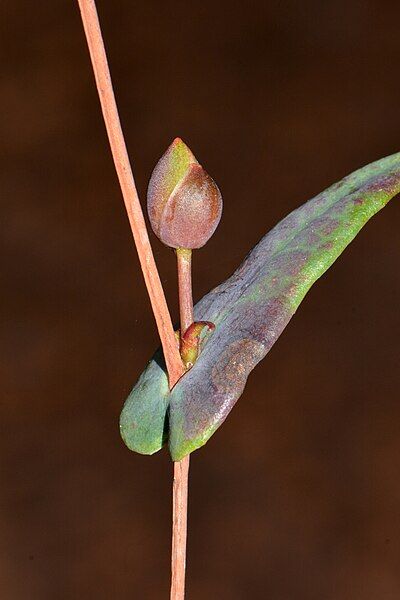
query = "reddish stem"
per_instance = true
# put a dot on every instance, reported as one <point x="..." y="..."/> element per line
<point x="184" y="258"/>
<point x="179" y="528"/>
<point x="157" y="298"/>
<point x="181" y="468"/>
<point x="121" y="160"/>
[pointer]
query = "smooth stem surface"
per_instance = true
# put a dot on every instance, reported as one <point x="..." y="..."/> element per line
<point x="156" y="293"/>
<point x="181" y="468"/>
<point x="121" y="160"/>
<point x="179" y="527"/>
<point x="184" y="258"/>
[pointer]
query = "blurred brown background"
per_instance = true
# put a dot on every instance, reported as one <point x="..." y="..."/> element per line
<point x="297" y="497"/>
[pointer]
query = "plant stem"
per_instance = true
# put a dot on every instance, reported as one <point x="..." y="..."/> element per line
<point x="184" y="258"/>
<point x="121" y="160"/>
<point x="181" y="468"/>
<point x="179" y="528"/>
<point x="154" y="288"/>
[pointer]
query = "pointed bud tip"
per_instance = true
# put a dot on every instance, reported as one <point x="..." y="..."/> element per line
<point x="179" y="151"/>
<point x="178" y="141"/>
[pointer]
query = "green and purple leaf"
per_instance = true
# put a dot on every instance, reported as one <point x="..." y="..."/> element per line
<point x="250" y="311"/>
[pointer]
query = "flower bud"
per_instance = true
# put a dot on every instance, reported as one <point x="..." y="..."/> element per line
<point x="183" y="202"/>
<point x="190" y="342"/>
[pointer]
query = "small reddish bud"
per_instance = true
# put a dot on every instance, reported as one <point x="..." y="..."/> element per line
<point x="190" y="342"/>
<point x="183" y="202"/>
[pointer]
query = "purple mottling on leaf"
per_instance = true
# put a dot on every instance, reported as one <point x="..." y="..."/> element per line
<point x="250" y="311"/>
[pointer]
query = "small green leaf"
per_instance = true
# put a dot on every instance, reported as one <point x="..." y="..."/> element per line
<point x="250" y="311"/>
<point x="143" y="419"/>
